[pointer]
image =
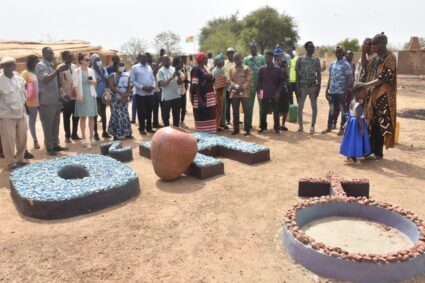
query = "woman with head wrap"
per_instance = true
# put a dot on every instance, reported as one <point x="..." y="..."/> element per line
<point x="380" y="104"/>
<point x="220" y="84"/>
<point x="203" y="96"/>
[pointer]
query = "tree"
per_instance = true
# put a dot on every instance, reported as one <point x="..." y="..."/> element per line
<point x="133" y="47"/>
<point x="221" y="33"/>
<point x="350" y="44"/>
<point x="267" y="28"/>
<point x="167" y="40"/>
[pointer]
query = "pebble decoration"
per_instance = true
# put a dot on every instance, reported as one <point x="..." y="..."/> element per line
<point x="338" y="195"/>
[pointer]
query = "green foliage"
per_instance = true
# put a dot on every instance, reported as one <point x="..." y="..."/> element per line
<point x="265" y="26"/>
<point x="350" y="44"/>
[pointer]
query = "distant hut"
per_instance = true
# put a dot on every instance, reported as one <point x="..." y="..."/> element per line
<point x="20" y="50"/>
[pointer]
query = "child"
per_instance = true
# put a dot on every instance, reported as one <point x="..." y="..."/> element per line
<point x="220" y="84"/>
<point x="356" y="143"/>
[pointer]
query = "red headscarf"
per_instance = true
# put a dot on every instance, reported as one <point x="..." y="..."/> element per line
<point x="200" y="57"/>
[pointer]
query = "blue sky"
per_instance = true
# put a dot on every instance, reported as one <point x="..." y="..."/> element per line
<point x="110" y="23"/>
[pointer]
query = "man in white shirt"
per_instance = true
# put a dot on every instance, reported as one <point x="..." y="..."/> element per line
<point x="13" y="125"/>
<point x="168" y="79"/>
<point x="141" y="76"/>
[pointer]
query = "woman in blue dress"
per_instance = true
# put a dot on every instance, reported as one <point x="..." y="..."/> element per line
<point x="119" y="122"/>
<point x="84" y="82"/>
<point x="355" y="143"/>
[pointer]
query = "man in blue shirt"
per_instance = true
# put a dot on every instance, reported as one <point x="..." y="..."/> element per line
<point x="336" y="91"/>
<point x="141" y="76"/>
<point x="101" y="78"/>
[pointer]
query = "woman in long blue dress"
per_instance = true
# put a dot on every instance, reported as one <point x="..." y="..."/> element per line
<point x="119" y="122"/>
<point x="84" y="82"/>
<point x="355" y="143"/>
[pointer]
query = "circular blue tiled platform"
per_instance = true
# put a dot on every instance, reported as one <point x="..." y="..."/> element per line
<point x="69" y="186"/>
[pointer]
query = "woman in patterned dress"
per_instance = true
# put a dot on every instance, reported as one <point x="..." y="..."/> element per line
<point x="380" y="104"/>
<point x="119" y="122"/>
<point x="203" y="96"/>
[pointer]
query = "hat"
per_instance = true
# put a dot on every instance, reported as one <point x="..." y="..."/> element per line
<point x="230" y="49"/>
<point x="94" y="57"/>
<point x="278" y="52"/>
<point x="219" y="59"/>
<point x="7" y="60"/>
<point x="200" y="57"/>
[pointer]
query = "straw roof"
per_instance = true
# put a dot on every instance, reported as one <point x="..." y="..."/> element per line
<point x="21" y="49"/>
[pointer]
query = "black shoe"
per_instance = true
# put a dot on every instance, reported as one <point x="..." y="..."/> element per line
<point x="226" y="127"/>
<point x="52" y="153"/>
<point x="262" y="131"/>
<point x="247" y="133"/>
<point x="115" y="138"/>
<point x="133" y="122"/>
<point x="106" y="135"/>
<point x="151" y="131"/>
<point x="75" y="138"/>
<point x="130" y="137"/>
<point x="67" y="140"/>
<point x="96" y="137"/>
<point x="277" y="131"/>
<point x="235" y="132"/>
<point x="28" y="155"/>
<point x="142" y="132"/>
<point x="285" y="129"/>
<point x="59" y="148"/>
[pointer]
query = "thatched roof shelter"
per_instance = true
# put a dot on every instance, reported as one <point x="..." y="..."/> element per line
<point x="20" y="50"/>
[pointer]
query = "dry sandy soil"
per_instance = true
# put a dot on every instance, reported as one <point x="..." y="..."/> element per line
<point x="225" y="229"/>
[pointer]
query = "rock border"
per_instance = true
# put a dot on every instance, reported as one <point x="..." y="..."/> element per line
<point x="340" y="264"/>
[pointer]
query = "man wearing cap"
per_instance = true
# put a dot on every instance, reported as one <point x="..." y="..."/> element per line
<point x="13" y="125"/>
<point x="282" y="63"/>
<point x="50" y="100"/>
<point x="228" y="65"/>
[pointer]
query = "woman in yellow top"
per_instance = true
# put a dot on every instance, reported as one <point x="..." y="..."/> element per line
<point x="32" y="96"/>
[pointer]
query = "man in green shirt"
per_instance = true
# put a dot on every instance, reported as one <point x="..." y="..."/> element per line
<point x="254" y="62"/>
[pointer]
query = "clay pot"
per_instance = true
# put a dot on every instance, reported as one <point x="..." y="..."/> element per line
<point x="173" y="150"/>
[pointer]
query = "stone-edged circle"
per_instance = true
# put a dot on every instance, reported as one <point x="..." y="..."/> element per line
<point x="60" y="187"/>
<point x="337" y="263"/>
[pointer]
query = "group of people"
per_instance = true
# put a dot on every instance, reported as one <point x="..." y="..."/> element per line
<point x="365" y="94"/>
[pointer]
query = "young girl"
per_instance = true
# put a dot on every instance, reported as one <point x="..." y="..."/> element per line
<point x="355" y="143"/>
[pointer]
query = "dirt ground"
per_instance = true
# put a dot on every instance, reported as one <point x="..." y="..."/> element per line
<point x="224" y="229"/>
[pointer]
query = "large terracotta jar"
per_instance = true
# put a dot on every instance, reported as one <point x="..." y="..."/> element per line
<point x="173" y="150"/>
